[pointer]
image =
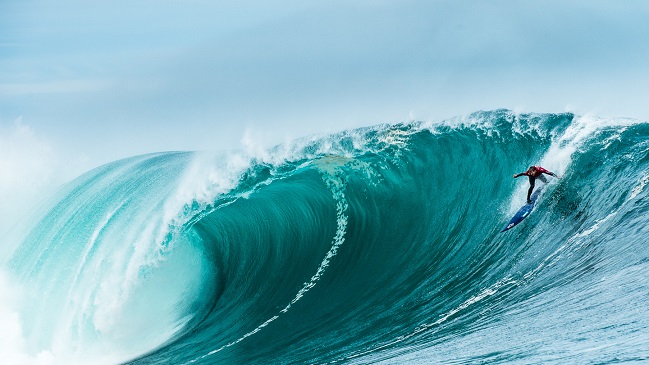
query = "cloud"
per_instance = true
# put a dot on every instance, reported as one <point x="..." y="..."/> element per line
<point x="13" y="348"/>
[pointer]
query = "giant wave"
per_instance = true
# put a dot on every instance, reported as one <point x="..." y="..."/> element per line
<point x="375" y="245"/>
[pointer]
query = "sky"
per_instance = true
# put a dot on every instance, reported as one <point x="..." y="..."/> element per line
<point x="85" y="82"/>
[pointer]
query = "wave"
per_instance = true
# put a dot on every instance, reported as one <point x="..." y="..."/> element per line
<point x="373" y="245"/>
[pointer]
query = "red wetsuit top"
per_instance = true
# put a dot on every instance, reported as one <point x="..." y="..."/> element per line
<point x="539" y="170"/>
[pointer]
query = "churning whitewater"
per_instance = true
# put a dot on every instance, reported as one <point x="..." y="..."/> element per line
<point x="375" y="245"/>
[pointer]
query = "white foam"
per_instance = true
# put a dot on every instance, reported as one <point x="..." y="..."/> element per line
<point x="559" y="155"/>
<point x="640" y="187"/>
<point x="13" y="347"/>
<point x="595" y="226"/>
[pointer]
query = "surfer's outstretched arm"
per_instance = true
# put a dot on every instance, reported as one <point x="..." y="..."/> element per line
<point x="544" y="171"/>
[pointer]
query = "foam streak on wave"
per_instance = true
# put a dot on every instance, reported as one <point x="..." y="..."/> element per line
<point x="336" y="185"/>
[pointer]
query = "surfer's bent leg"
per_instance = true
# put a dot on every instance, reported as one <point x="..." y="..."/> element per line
<point x="529" y="192"/>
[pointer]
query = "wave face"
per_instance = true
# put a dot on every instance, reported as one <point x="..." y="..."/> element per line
<point x="377" y="245"/>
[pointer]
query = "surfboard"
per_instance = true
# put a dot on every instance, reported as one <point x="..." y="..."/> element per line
<point x="524" y="211"/>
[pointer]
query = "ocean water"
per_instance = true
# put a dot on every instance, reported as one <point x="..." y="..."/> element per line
<point x="376" y="245"/>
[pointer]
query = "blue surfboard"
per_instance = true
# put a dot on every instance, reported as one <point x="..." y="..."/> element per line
<point x="524" y="211"/>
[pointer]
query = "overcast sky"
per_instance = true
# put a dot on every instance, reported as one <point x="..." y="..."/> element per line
<point x="102" y="80"/>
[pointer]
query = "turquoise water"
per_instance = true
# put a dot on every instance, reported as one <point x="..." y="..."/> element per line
<point x="376" y="245"/>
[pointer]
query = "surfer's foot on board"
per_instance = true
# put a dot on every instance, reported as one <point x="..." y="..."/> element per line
<point x="529" y="201"/>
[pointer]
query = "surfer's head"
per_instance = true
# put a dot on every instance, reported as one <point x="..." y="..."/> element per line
<point x="532" y="169"/>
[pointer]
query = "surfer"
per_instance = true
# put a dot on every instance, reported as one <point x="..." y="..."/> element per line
<point x="535" y="172"/>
